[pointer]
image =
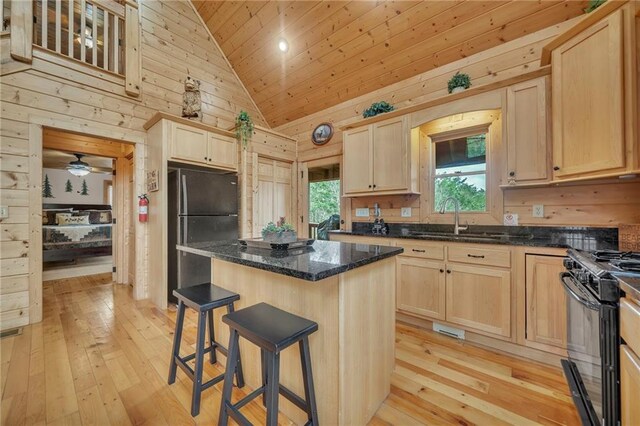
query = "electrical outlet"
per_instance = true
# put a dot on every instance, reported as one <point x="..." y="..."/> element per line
<point x="363" y="212"/>
<point x="405" y="212"/>
<point x="4" y="212"/>
<point x="538" y="210"/>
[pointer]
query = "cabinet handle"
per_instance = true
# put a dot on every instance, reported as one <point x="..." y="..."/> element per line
<point x="512" y="173"/>
<point x="369" y="186"/>
<point x="556" y="168"/>
<point x="476" y="256"/>
<point x="419" y="251"/>
<point x="374" y="185"/>
<point x="205" y="158"/>
<point x="448" y="271"/>
<point x="441" y="271"/>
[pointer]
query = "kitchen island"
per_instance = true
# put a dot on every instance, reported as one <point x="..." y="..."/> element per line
<point x="348" y="289"/>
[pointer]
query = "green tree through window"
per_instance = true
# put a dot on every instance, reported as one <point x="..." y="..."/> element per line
<point x="324" y="200"/>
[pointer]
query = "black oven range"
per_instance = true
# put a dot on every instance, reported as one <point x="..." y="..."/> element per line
<point x="592" y="369"/>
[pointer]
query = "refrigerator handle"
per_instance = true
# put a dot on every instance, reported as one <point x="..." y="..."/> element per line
<point x="185" y="204"/>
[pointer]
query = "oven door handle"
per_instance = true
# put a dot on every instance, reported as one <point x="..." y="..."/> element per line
<point x="569" y="284"/>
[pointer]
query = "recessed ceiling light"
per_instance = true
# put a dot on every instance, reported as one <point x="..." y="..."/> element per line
<point x="283" y="45"/>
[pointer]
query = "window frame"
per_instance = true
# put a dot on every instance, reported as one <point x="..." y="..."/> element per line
<point x="455" y="126"/>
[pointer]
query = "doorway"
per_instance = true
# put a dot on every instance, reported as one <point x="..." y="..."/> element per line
<point x="87" y="204"/>
<point x="321" y="202"/>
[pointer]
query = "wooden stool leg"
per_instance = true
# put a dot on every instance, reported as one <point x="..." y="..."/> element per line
<point x="263" y="364"/>
<point x="197" y="371"/>
<point x="232" y="358"/>
<point x="307" y="378"/>
<point x="212" y="339"/>
<point x="273" y="388"/>
<point x="177" y="338"/>
<point x="239" y="373"/>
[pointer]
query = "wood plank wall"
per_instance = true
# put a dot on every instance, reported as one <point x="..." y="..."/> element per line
<point x="174" y="44"/>
<point x="585" y="204"/>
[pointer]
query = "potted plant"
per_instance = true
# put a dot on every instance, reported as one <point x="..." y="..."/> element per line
<point x="244" y="128"/>
<point x="377" y="108"/>
<point x="459" y="82"/>
<point x="279" y="233"/>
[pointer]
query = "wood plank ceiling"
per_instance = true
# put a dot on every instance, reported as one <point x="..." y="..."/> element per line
<point x="339" y="50"/>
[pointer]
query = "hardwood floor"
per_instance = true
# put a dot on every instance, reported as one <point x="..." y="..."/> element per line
<point x="99" y="357"/>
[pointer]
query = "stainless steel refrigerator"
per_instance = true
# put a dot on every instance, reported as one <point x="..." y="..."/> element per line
<point x="203" y="206"/>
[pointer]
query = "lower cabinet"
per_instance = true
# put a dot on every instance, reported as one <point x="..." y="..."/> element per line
<point x="546" y="312"/>
<point x="421" y="287"/>
<point x="479" y="298"/>
<point x="629" y="385"/>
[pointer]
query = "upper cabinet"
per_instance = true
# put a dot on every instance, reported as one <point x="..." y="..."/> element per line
<point x="381" y="158"/>
<point x="594" y="96"/>
<point x="527" y="147"/>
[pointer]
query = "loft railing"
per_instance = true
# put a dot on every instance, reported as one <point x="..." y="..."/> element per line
<point x="90" y="31"/>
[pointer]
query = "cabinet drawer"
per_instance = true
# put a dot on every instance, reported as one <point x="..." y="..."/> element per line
<point x="629" y="385"/>
<point x="630" y="323"/>
<point x="422" y="250"/>
<point x="480" y="256"/>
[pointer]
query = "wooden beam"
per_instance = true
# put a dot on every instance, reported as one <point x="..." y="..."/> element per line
<point x="133" y="62"/>
<point x="72" y="142"/>
<point x="21" y="30"/>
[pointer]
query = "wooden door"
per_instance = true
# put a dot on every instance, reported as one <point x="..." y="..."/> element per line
<point x="527" y="158"/>
<point x="629" y="385"/>
<point x="588" y="97"/>
<point x="546" y="303"/>
<point x="357" y="156"/>
<point x="272" y="193"/>
<point x="223" y="152"/>
<point x="132" y="217"/>
<point x="421" y="287"/>
<point x="479" y="298"/>
<point x="188" y="144"/>
<point x="390" y="155"/>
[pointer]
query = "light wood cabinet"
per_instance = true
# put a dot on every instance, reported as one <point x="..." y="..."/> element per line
<point x="479" y="298"/>
<point x="199" y="146"/>
<point x="629" y="386"/>
<point x="421" y="287"/>
<point x="594" y="87"/>
<point x="546" y="312"/>
<point x="380" y="158"/>
<point x="527" y="142"/>
<point x="272" y="195"/>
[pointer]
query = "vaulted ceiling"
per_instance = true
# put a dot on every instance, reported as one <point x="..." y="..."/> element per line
<point x="339" y="50"/>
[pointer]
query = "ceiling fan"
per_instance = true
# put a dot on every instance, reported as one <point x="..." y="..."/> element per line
<point x="79" y="167"/>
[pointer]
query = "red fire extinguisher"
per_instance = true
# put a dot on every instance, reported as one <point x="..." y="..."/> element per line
<point x="143" y="208"/>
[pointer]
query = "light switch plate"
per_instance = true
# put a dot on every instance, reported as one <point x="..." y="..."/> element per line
<point x="510" y="219"/>
<point x="363" y="212"/>
<point x="405" y="212"/>
<point x="4" y="212"/>
<point x="538" y="210"/>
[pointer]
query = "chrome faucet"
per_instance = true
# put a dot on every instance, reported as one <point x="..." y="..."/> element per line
<point x="456" y="214"/>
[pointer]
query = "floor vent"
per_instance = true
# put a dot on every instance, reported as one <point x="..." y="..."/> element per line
<point x="10" y="333"/>
<point x="448" y="331"/>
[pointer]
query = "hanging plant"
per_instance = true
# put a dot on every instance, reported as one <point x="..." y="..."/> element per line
<point x="460" y="82"/>
<point x="377" y="108"/>
<point x="593" y="5"/>
<point x="244" y="128"/>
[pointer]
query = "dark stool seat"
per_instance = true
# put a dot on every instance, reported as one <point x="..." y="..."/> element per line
<point x="273" y="330"/>
<point x="203" y="298"/>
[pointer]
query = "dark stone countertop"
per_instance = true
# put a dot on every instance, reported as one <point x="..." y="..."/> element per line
<point x="630" y="285"/>
<point x="582" y="238"/>
<point x="321" y="260"/>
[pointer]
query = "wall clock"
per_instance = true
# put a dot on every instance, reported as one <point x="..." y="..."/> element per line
<point x="322" y="134"/>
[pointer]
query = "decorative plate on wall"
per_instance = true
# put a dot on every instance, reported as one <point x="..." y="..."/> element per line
<point x="322" y="134"/>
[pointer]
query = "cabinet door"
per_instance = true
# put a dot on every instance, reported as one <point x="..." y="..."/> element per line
<point x="421" y="287"/>
<point x="546" y="303"/>
<point x="588" y="96"/>
<point x="629" y="385"/>
<point x="223" y="152"/>
<point x="479" y="298"/>
<point x="390" y="155"/>
<point x="189" y="144"/>
<point x="527" y="132"/>
<point x="272" y="193"/>
<point x="357" y="172"/>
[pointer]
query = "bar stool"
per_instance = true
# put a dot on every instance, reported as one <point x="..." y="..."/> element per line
<point x="273" y="330"/>
<point x="203" y="298"/>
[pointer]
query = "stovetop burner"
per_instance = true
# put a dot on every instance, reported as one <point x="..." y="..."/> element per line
<point x="626" y="265"/>
<point x="606" y="255"/>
